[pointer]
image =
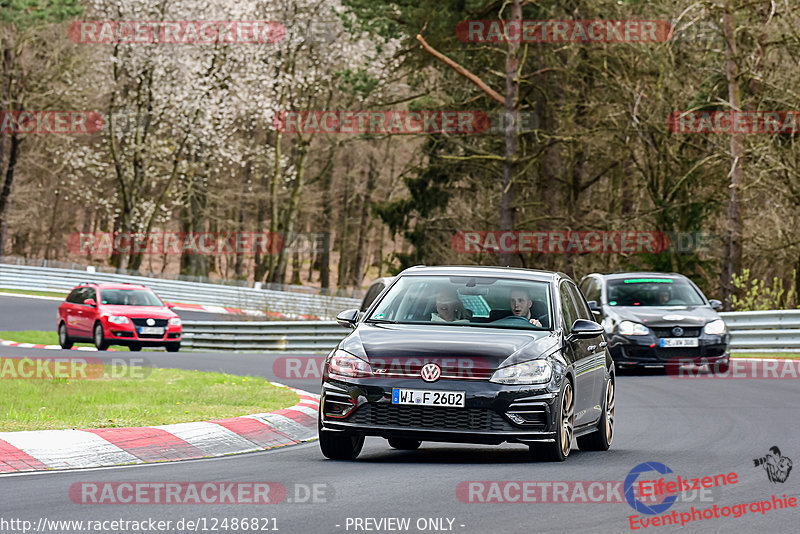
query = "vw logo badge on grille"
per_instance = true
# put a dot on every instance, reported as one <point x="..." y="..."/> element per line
<point x="430" y="372"/>
<point x="150" y="322"/>
<point x="677" y="331"/>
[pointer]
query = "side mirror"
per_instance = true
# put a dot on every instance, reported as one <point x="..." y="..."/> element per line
<point x="594" y="306"/>
<point x="583" y="328"/>
<point x="90" y="302"/>
<point x="348" y="318"/>
<point x="169" y="305"/>
<point x="715" y="304"/>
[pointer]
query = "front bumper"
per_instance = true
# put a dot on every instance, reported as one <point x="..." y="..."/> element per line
<point x="125" y="334"/>
<point x="645" y="350"/>
<point x="493" y="413"/>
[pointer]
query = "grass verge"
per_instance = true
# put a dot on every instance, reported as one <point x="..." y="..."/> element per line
<point x="164" y="396"/>
<point x="775" y="355"/>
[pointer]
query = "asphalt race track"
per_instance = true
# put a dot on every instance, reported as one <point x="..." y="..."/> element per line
<point x="695" y="427"/>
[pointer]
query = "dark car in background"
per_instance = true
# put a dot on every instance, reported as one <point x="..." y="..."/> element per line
<point x="374" y="289"/>
<point x="657" y="319"/>
<point x="472" y="355"/>
<point x="117" y="314"/>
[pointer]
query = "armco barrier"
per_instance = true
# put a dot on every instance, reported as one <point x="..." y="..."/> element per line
<point x="307" y="336"/>
<point x="246" y="298"/>
<point x="750" y="331"/>
<point x="769" y="331"/>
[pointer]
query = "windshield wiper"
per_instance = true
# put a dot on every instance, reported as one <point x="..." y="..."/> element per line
<point x="381" y="321"/>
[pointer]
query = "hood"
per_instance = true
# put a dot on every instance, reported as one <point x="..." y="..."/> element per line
<point x="488" y="348"/>
<point x="666" y="316"/>
<point x="156" y="312"/>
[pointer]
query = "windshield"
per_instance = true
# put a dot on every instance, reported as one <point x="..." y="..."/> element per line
<point x="129" y="297"/>
<point x="652" y="292"/>
<point x="466" y="301"/>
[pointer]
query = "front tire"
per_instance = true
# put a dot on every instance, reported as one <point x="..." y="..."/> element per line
<point x="558" y="450"/>
<point x="339" y="446"/>
<point x="63" y="338"/>
<point x="601" y="440"/>
<point x="99" y="337"/>
<point x="404" y="444"/>
<point x="173" y="347"/>
<point x="134" y="347"/>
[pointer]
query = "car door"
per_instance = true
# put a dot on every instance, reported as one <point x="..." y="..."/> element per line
<point x="577" y="353"/>
<point x="69" y="312"/>
<point x="76" y="318"/>
<point x="89" y="312"/>
<point x="595" y="348"/>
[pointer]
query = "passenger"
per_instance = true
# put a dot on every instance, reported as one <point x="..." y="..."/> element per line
<point x="449" y="308"/>
<point x="521" y="306"/>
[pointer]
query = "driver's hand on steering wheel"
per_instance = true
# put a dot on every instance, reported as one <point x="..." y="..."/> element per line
<point x="536" y="322"/>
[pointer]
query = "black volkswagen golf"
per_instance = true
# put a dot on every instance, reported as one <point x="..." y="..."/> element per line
<point x="658" y="320"/>
<point x="471" y="355"/>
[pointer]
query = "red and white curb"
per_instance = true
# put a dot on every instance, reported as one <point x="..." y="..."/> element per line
<point x="4" y="343"/>
<point x="39" y="450"/>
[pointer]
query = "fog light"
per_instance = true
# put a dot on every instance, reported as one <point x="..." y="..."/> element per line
<point x="516" y="418"/>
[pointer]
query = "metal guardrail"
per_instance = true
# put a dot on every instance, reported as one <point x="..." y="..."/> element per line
<point x="307" y="336"/>
<point x="771" y="331"/>
<point x="246" y="298"/>
<point x="750" y="331"/>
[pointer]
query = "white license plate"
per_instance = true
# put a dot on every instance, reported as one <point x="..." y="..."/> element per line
<point x="151" y="330"/>
<point x="426" y="397"/>
<point x="680" y="342"/>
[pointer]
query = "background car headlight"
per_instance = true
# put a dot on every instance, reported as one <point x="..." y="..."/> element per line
<point x="535" y="372"/>
<point x="118" y="319"/>
<point x="175" y="321"/>
<point x="629" y="328"/>
<point x="715" y="328"/>
<point x="345" y="364"/>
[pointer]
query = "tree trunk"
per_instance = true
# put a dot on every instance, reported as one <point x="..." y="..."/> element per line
<point x="509" y="163"/>
<point x="732" y="252"/>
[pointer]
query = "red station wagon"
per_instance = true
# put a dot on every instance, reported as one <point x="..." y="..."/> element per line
<point x="118" y="314"/>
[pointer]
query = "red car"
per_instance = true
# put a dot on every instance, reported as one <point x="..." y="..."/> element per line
<point x="118" y="314"/>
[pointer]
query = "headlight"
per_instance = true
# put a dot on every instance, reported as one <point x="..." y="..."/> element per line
<point x="175" y="321"/>
<point x="629" y="328"/>
<point x="118" y="319"/>
<point x="345" y="364"/>
<point x="535" y="372"/>
<point x="715" y="328"/>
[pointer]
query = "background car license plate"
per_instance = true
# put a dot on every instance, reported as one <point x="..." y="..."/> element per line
<point x="151" y="330"/>
<point x="425" y="397"/>
<point x="679" y="342"/>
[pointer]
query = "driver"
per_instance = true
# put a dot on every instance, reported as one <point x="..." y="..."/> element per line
<point x="521" y="305"/>
<point x="663" y="296"/>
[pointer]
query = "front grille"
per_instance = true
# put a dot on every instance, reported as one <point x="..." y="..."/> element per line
<point x="666" y="331"/>
<point x="430" y="417"/>
<point x="142" y="321"/>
